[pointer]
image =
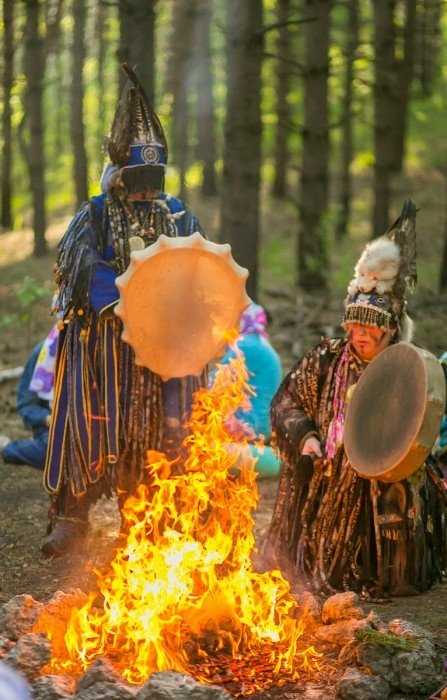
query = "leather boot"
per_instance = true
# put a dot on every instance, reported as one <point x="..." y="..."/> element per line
<point x="64" y="535"/>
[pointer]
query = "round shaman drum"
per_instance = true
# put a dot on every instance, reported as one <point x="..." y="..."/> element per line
<point x="180" y="301"/>
<point x="394" y="415"/>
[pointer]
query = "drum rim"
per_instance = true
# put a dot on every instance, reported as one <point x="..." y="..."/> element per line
<point x="420" y="354"/>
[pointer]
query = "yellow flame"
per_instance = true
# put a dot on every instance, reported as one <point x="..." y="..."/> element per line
<point x="183" y="589"/>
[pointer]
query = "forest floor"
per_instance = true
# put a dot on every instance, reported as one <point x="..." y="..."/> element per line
<point x="296" y="325"/>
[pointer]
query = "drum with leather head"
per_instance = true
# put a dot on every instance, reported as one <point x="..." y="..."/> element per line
<point x="180" y="302"/>
<point x="394" y="415"/>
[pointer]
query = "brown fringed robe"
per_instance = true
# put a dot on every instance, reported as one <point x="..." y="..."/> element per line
<point x="336" y="529"/>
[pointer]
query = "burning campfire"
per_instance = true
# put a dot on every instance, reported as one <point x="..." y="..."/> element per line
<point x="182" y="593"/>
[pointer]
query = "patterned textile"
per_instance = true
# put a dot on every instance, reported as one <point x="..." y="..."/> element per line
<point x="42" y="381"/>
<point x="254" y="320"/>
<point x="334" y="528"/>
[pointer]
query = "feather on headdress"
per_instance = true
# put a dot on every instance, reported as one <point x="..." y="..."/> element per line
<point x="384" y="273"/>
<point x="137" y="143"/>
<point x="135" y="122"/>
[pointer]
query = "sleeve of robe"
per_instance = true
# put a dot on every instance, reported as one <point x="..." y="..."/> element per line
<point x="294" y="418"/>
<point x="78" y="257"/>
<point x="295" y="405"/>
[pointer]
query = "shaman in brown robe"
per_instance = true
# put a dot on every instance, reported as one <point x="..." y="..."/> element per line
<point x="335" y="529"/>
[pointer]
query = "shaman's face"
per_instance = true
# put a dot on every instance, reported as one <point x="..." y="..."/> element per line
<point x="145" y="196"/>
<point x="368" y="341"/>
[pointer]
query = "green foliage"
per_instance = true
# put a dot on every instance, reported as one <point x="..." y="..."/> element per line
<point x="7" y="320"/>
<point x="426" y="154"/>
<point x="27" y="295"/>
<point x="385" y="639"/>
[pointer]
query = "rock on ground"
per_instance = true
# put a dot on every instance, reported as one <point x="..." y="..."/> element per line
<point x="53" y="688"/>
<point x="31" y="652"/>
<point x="340" y="633"/>
<point x="102" y="682"/>
<point x="417" y="671"/>
<point x="101" y="671"/>
<point x="354" y="685"/>
<point x="5" y="646"/>
<point x="311" y="606"/>
<point x="379" y="660"/>
<point x="341" y="606"/>
<point x="168" y="685"/>
<point x="315" y="693"/>
<point x="408" y="630"/>
<point x="18" y="616"/>
<point x="106" y="691"/>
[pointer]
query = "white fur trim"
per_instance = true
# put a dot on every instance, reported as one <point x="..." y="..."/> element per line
<point x="377" y="267"/>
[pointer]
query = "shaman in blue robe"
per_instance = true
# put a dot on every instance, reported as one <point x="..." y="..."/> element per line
<point x="108" y="412"/>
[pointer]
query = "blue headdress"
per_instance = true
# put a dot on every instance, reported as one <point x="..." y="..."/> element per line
<point x="137" y="142"/>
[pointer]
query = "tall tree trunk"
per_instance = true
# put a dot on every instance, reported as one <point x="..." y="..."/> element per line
<point x="312" y="249"/>
<point x="100" y="30"/>
<point x="429" y="43"/>
<point x="179" y="83"/>
<point x="347" y="149"/>
<point x="404" y="71"/>
<point x="34" y="68"/>
<point x="385" y="123"/>
<point x="282" y="104"/>
<point x="243" y="131"/>
<point x="394" y="72"/>
<point x="36" y="50"/>
<point x="59" y="120"/>
<point x="137" y="40"/>
<point x="205" y="100"/>
<point x="77" y="103"/>
<point x="8" y="76"/>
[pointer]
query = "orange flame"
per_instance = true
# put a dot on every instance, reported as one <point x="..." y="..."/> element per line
<point x="182" y="590"/>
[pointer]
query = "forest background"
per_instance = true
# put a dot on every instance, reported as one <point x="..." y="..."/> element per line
<point x="296" y="130"/>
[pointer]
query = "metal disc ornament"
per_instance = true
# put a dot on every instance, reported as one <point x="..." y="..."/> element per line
<point x="394" y="414"/>
<point x="179" y="298"/>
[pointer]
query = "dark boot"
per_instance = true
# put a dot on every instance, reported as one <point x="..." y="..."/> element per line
<point x="65" y="534"/>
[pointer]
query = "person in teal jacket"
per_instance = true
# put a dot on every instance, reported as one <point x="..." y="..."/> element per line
<point x="265" y="373"/>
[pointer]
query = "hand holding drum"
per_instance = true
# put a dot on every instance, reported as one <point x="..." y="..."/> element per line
<point x="312" y="448"/>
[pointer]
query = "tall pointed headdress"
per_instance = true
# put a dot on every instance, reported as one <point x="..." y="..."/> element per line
<point x="137" y="142"/>
<point x="385" y="272"/>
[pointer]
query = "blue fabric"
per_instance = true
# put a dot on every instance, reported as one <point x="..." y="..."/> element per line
<point x="147" y="154"/>
<point x="31" y="451"/>
<point x="34" y="413"/>
<point x="264" y="367"/>
<point x="103" y="290"/>
<point x="98" y="202"/>
<point x="33" y="410"/>
<point x="268" y="463"/>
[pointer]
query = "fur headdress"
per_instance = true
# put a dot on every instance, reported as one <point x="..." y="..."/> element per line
<point x="384" y="273"/>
